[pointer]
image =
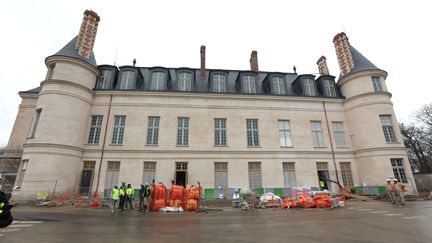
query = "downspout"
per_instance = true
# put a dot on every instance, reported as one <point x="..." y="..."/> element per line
<point x="103" y="148"/>
<point x="331" y="146"/>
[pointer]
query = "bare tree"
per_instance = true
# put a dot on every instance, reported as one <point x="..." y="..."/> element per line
<point x="418" y="139"/>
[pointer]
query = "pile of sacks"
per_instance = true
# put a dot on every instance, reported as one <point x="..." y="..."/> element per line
<point x="179" y="198"/>
<point x="193" y="194"/>
<point x="318" y="201"/>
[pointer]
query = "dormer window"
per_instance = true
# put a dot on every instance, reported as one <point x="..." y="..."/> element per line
<point x="158" y="81"/>
<point x="308" y="87"/>
<point x="248" y="84"/>
<point x="185" y="81"/>
<point x="104" y="79"/>
<point x="329" y="88"/>
<point x="127" y="80"/>
<point x="278" y="85"/>
<point x="218" y="83"/>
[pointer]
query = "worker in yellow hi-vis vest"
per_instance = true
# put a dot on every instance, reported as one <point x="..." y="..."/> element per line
<point x="5" y="214"/>
<point x="115" y="195"/>
<point x="129" y="196"/>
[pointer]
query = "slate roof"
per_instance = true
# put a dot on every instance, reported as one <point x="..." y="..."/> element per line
<point x="35" y="90"/>
<point x="69" y="51"/>
<point x="361" y="63"/>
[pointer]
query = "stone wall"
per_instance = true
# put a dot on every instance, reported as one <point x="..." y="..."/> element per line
<point x="424" y="182"/>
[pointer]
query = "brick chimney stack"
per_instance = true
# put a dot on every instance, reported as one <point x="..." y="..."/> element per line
<point x="343" y="53"/>
<point x="87" y="34"/>
<point x="202" y="70"/>
<point x="254" y="61"/>
<point x="322" y="66"/>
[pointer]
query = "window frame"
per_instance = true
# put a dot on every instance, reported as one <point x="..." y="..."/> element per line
<point x="399" y="170"/>
<point x="161" y="83"/>
<point x="329" y="88"/>
<point x="287" y="136"/>
<point x="339" y="134"/>
<point x="346" y="174"/>
<point x="219" y="88"/>
<point x="281" y="90"/>
<point x="153" y="130"/>
<point x="317" y="135"/>
<point x="34" y="123"/>
<point x="288" y="170"/>
<point x="183" y="131"/>
<point x="128" y="82"/>
<point x="118" y="129"/>
<point x="376" y="83"/>
<point x="252" y="133"/>
<point x="179" y="81"/>
<point x="96" y="122"/>
<point x="387" y="127"/>
<point x="104" y="79"/>
<point x="220" y="132"/>
<point x="255" y="169"/>
<point x="308" y="85"/>
<point x="149" y="170"/>
<point x="248" y="85"/>
<point x="221" y="173"/>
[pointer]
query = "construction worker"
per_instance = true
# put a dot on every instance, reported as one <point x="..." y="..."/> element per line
<point x="321" y="184"/>
<point x="398" y="192"/>
<point x="122" y="194"/>
<point x="389" y="190"/>
<point x="147" y="195"/>
<point x="129" y="195"/>
<point x="115" y="198"/>
<point x="141" y="198"/>
<point x="144" y="195"/>
<point x="5" y="215"/>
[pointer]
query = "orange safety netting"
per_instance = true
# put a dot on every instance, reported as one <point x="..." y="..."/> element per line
<point x="322" y="201"/>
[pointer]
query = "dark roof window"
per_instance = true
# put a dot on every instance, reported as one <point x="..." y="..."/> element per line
<point x="127" y="79"/>
<point x="158" y="80"/>
<point x="104" y="81"/>
<point x="218" y="83"/>
<point x="308" y="86"/>
<point x="278" y="85"/>
<point x="329" y="88"/>
<point x="184" y="79"/>
<point x="248" y="84"/>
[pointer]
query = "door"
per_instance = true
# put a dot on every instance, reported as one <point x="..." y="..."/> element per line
<point x="181" y="173"/>
<point x="86" y="179"/>
<point x="323" y="175"/>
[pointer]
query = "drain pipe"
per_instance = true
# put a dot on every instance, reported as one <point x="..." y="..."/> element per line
<point x="331" y="146"/>
<point x="103" y="149"/>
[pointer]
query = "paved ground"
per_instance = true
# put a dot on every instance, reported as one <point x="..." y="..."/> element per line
<point x="359" y="222"/>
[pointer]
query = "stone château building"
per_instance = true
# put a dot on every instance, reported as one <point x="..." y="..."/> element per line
<point x="89" y="127"/>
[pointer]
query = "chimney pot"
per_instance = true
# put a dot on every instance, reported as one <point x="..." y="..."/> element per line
<point x="322" y="66"/>
<point x="343" y="53"/>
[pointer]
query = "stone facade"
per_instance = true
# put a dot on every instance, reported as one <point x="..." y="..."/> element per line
<point x="57" y="156"/>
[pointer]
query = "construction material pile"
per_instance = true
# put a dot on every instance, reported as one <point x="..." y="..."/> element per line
<point x="179" y="199"/>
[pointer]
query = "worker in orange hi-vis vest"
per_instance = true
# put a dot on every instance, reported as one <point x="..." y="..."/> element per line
<point x="399" y="192"/>
<point x="390" y="191"/>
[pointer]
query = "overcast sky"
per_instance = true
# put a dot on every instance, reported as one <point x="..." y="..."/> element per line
<point x="394" y="35"/>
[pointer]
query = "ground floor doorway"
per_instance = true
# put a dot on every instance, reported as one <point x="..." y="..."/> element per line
<point x="181" y="173"/>
<point x="87" y="177"/>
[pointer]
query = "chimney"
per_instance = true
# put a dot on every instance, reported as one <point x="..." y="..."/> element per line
<point x="322" y="66"/>
<point x="343" y="53"/>
<point x="202" y="70"/>
<point x="254" y="61"/>
<point x="87" y="34"/>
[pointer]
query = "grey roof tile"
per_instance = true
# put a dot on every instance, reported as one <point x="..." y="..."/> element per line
<point x="70" y="51"/>
<point x="361" y="63"/>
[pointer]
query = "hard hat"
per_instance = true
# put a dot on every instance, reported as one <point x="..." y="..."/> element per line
<point x="395" y="179"/>
<point x="388" y="179"/>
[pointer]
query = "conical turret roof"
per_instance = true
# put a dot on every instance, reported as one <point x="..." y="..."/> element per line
<point x="361" y="63"/>
<point x="69" y="51"/>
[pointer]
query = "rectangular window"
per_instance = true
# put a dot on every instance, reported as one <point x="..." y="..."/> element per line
<point x="149" y="173"/>
<point x="398" y="170"/>
<point x="183" y="131"/>
<point x="112" y="176"/>
<point x="278" y="85"/>
<point x="317" y="134"/>
<point x="329" y="88"/>
<point x="339" y="134"/>
<point x="153" y="130"/>
<point x="221" y="175"/>
<point x="387" y="127"/>
<point x="218" y="83"/>
<point x="158" y="81"/>
<point x="284" y="133"/>
<point x="249" y="86"/>
<point x="127" y="80"/>
<point x="104" y="79"/>
<point x="50" y="72"/>
<point x="220" y="132"/>
<point x="289" y="174"/>
<point x="185" y="81"/>
<point x="252" y="132"/>
<point x="346" y="174"/>
<point x="95" y="129"/>
<point x="119" y="125"/>
<point x="255" y="175"/>
<point x="309" y="87"/>
<point x="34" y="124"/>
<point x="377" y="84"/>
<point x="20" y="179"/>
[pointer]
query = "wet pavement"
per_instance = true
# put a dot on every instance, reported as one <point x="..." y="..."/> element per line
<point x="359" y="222"/>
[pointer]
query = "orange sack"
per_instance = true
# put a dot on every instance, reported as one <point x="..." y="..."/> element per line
<point x="159" y="197"/>
<point x="175" y="203"/>
<point x="177" y="192"/>
<point x="322" y="201"/>
<point x="289" y="203"/>
<point x="191" y="205"/>
<point x="305" y="201"/>
<point x="193" y="192"/>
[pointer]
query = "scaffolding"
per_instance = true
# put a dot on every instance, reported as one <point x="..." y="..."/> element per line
<point x="10" y="160"/>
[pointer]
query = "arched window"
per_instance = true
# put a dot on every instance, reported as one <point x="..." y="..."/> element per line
<point x="127" y="80"/>
<point x="219" y="83"/>
<point x="278" y="85"/>
<point x="249" y="85"/>
<point x="158" y="81"/>
<point x="185" y="81"/>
